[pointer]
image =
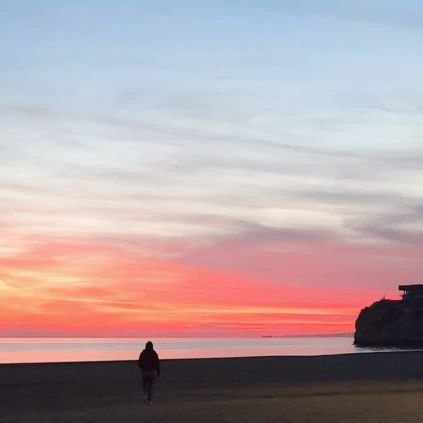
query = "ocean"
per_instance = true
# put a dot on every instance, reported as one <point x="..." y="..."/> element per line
<point x="49" y="350"/>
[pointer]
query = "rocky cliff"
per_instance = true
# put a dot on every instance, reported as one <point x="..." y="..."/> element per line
<point x="390" y="323"/>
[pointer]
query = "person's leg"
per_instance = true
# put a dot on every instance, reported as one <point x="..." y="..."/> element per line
<point x="145" y="386"/>
<point x="150" y="389"/>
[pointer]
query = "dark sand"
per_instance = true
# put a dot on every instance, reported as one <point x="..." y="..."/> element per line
<point x="377" y="387"/>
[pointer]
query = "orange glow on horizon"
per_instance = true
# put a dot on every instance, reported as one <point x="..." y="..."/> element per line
<point x="85" y="290"/>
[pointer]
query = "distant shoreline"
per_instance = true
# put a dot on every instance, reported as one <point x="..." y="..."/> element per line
<point x="332" y="335"/>
<point x="319" y="335"/>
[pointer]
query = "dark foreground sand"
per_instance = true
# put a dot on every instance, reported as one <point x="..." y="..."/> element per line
<point x="380" y="387"/>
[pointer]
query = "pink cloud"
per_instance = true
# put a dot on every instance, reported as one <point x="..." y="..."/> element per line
<point x="92" y="288"/>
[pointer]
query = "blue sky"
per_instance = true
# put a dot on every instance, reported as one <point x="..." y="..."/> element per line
<point x="284" y="96"/>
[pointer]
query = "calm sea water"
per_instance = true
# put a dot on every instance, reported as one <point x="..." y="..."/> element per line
<point x="48" y="350"/>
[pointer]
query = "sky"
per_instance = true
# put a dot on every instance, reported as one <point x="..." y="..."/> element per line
<point x="207" y="168"/>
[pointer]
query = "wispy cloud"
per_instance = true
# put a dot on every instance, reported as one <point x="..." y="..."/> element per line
<point x="406" y="15"/>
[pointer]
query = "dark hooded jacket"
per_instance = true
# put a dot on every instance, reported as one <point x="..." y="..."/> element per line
<point x="149" y="360"/>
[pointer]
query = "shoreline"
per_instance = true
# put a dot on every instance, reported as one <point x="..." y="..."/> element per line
<point x="383" y="351"/>
<point x="367" y="366"/>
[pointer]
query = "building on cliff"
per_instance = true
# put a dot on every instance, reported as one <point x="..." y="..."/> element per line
<point x="412" y="293"/>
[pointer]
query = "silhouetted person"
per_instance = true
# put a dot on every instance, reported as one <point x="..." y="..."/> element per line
<point x="149" y="363"/>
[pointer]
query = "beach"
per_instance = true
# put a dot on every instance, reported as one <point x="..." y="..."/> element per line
<point x="378" y="387"/>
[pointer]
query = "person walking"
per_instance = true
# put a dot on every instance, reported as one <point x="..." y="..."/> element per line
<point x="149" y="364"/>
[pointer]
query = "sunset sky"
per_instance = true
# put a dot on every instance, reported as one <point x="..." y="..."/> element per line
<point x="207" y="168"/>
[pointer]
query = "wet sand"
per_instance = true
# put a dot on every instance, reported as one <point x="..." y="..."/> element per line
<point x="377" y="387"/>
